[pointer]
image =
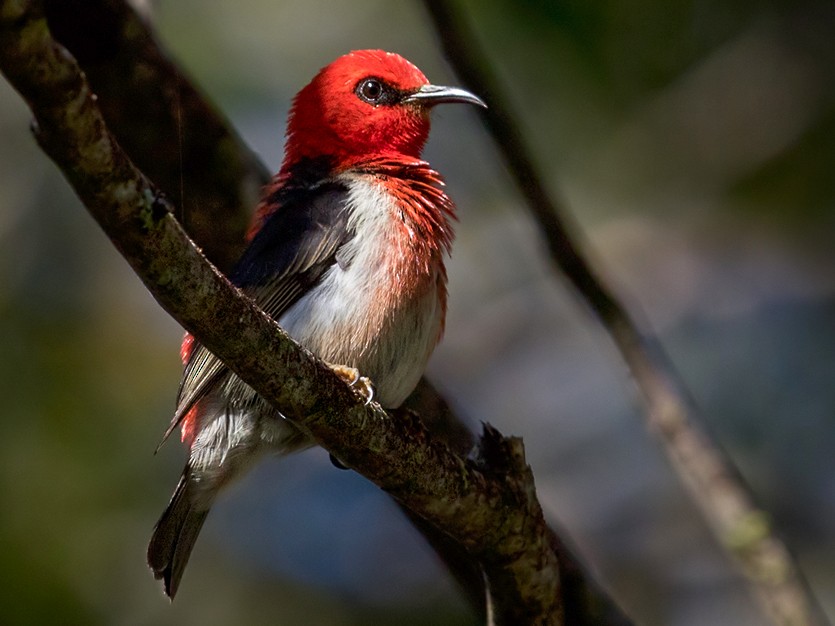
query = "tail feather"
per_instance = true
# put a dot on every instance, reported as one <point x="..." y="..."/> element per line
<point x="175" y="534"/>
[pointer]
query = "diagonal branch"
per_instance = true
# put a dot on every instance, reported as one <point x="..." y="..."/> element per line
<point x="487" y="504"/>
<point x="740" y="526"/>
<point x="159" y="118"/>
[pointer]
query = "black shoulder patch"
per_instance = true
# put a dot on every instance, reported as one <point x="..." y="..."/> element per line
<point x="306" y="230"/>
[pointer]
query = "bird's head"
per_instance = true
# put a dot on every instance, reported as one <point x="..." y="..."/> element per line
<point x="366" y="104"/>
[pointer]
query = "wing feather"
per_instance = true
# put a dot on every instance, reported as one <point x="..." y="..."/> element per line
<point x="286" y="258"/>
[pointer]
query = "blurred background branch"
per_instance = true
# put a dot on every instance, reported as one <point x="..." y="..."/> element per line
<point x="740" y="526"/>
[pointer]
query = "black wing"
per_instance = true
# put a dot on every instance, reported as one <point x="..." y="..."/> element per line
<point x="286" y="258"/>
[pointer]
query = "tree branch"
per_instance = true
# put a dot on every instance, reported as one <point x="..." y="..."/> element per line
<point x="740" y="526"/>
<point x="486" y="504"/>
<point x="172" y="134"/>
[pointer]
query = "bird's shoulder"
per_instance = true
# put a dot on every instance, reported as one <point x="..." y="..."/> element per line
<point x="300" y="235"/>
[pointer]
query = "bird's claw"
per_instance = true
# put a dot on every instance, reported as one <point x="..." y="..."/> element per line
<point x="365" y="388"/>
<point x="361" y="384"/>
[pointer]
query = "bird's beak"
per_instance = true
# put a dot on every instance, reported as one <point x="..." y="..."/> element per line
<point x="430" y="95"/>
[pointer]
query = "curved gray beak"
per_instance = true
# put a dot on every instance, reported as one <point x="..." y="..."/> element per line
<point x="430" y="95"/>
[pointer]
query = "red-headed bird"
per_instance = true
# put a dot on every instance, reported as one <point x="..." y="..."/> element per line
<point x="346" y="253"/>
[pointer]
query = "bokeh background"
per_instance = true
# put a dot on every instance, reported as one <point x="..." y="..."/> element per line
<point x="695" y="144"/>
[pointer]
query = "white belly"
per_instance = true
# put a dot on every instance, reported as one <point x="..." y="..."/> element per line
<point x="375" y="310"/>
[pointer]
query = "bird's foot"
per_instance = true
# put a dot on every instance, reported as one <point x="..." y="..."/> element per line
<point x="351" y="375"/>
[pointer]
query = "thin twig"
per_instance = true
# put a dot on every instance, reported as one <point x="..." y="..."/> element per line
<point x="741" y="527"/>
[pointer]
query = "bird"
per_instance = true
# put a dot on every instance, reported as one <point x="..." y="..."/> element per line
<point x="346" y="252"/>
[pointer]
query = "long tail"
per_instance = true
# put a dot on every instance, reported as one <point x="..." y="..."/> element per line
<point x="175" y="534"/>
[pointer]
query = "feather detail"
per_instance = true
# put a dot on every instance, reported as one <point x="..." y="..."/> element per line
<point x="186" y="348"/>
<point x="298" y="178"/>
<point x="418" y="189"/>
<point x="424" y="224"/>
<point x="188" y="430"/>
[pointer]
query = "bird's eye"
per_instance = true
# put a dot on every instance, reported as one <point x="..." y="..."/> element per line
<point x="371" y="90"/>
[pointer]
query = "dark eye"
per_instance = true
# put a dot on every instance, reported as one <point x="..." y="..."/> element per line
<point x="371" y="90"/>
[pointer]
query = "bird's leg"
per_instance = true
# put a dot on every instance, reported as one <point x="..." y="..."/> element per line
<point x="351" y="375"/>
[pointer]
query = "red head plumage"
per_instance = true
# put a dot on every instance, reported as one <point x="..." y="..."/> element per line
<point x="332" y="116"/>
<point x="365" y="104"/>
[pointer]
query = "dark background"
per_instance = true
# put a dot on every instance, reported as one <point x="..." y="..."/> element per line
<point x="695" y="144"/>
